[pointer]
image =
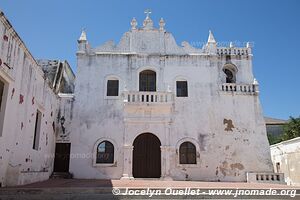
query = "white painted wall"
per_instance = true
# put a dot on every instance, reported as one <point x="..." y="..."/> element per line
<point x="26" y="91"/>
<point x="91" y="117"/>
<point x="287" y="154"/>
<point x="222" y="155"/>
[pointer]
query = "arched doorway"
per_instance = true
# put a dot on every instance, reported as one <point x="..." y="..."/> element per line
<point x="146" y="156"/>
<point x="147" y="81"/>
<point x="230" y="71"/>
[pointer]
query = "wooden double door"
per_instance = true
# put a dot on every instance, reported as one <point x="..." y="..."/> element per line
<point x="146" y="156"/>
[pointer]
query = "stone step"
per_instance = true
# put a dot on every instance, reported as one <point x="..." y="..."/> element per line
<point x="65" y="175"/>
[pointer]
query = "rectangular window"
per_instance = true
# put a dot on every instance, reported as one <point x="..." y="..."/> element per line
<point x="277" y="167"/>
<point x="112" y="88"/>
<point x="1" y="93"/>
<point x="2" y="104"/>
<point x="37" y="130"/>
<point x="181" y="89"/>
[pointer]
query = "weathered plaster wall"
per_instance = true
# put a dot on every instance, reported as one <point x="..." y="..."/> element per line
<point x="26" y="92"/>
<point x="287" y="155"/>
<point x="227" y="127"/>
<point x="64" y="117"/>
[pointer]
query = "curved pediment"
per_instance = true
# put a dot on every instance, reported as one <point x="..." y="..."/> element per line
<point x="147" y="41"/>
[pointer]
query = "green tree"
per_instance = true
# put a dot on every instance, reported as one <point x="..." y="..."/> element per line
<point x="274" y="139"/>
<point x="291" y="129"/>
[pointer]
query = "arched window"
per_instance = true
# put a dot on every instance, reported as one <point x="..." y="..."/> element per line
<point x="230" y="73"/>
<point x="229" y="76"/>
<point x="105" y="152"/>
<point x="147" y="80"/>
<point x="187" y="153"/>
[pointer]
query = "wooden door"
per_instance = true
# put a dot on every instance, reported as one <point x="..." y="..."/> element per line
<point x="62" y="157"/>
<point x="146" y="156"/>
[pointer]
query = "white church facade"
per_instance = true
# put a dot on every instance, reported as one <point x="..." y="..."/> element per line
<point x="143" y="108"/>
<point x="148" y="108"/>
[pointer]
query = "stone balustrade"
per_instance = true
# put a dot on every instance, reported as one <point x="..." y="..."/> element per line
<point x="241" y="88"/>
<point x="265" y="177"/>
<point x="233" y="51"/>
<point x="148" y="97"/>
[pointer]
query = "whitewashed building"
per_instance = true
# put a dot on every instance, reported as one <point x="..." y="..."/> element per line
<point x="286" y="159"/>
<point x="30" y="99"/>
<point x="148" y="108"/>
<point x="144" y="108"/>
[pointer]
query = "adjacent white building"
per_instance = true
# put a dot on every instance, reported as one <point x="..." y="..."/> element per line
<point x="286" y="159"/>
<point x="29" y="107"/>
<point x="148" y="108"/>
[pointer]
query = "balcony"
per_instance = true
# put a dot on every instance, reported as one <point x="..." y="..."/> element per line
<point x="137" y="97"/>
<point x="251" y="89"/>
<point x="147" y="106"/>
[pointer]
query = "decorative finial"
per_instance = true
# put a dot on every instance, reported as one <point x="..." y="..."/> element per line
<point x="248" y="45"/>
<point x="162" y="24"/>
<point x="211" y="38"/>
<point x="255" y="82"/>
<point x="231" y="44"/>
<point x="133" y="24"/>
<point x="82" y="41"/>
<point x="83" y="35"/>
<point x="147" y="12"/>
<point x="211" y="45"/>
<point x="148" y="23"/>
<point x="169" y="88"/>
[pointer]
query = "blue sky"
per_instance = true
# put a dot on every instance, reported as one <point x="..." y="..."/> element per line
<point x="51" y="28"/>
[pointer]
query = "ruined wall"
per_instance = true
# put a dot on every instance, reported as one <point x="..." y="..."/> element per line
<point x="227" y="127"/>
<point x="26" y="91"/>
<point x="286" y="158"/>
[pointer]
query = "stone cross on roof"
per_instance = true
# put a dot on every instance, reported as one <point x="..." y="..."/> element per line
<point x="147" y="12"/>
<point x="148" y="23"/>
